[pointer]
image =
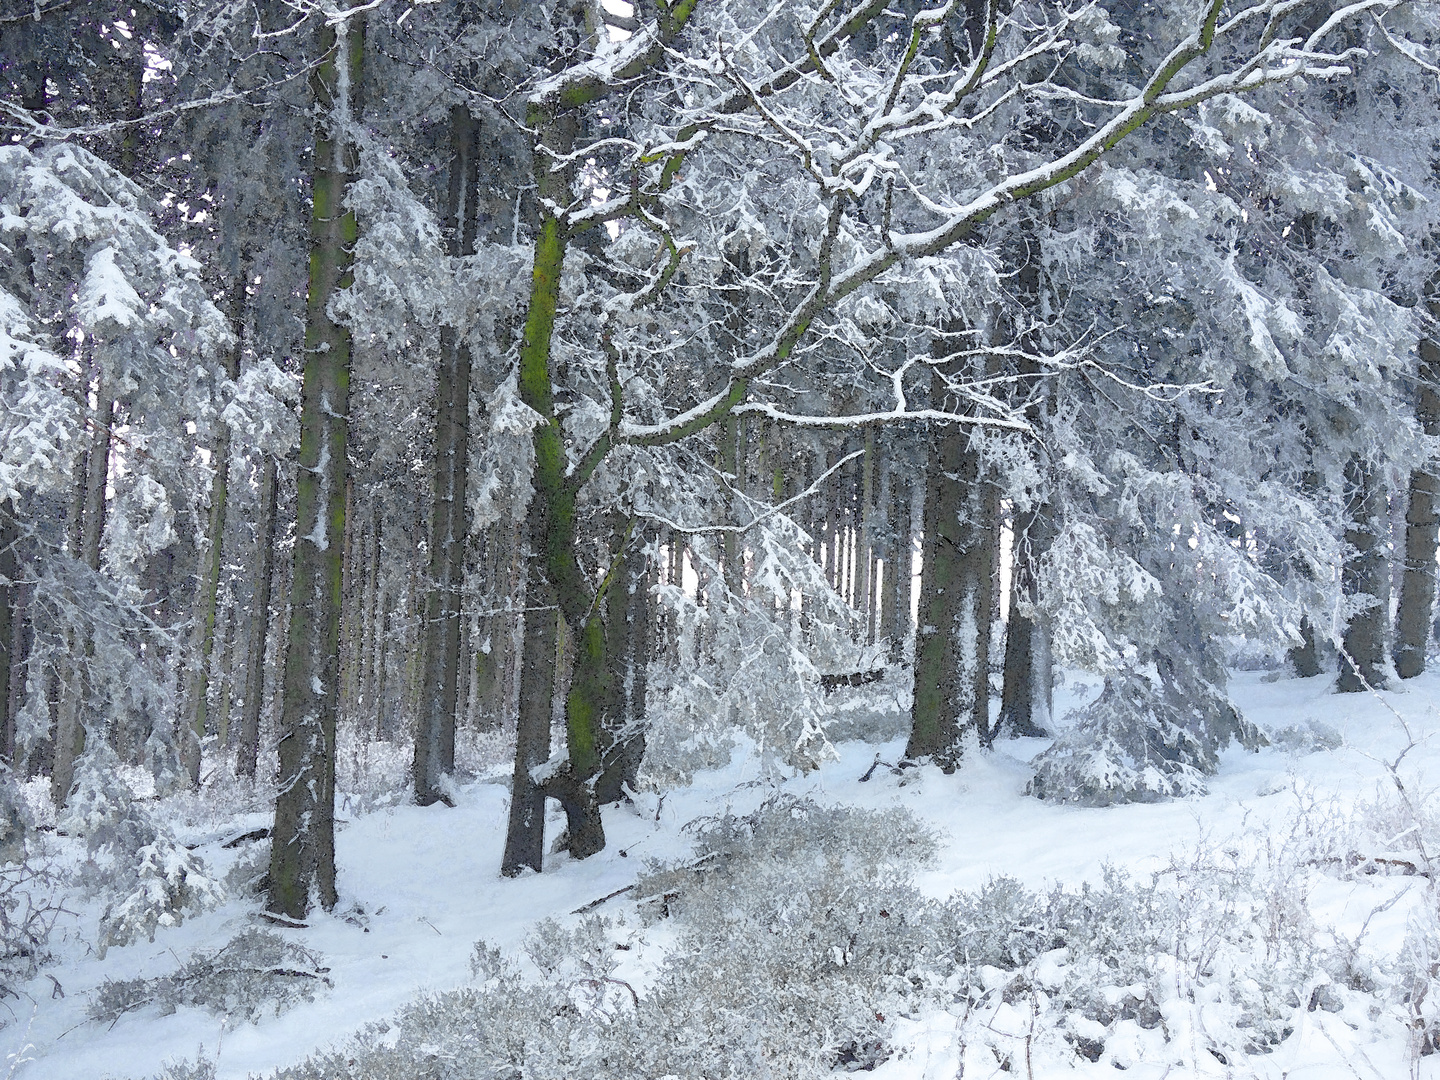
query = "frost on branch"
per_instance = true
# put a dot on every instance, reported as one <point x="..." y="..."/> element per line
<point x="256" y="972"/>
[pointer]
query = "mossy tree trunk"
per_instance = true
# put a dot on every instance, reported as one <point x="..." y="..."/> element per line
<point x="440" y="643"/>
<point x="302" y="847"/>
<point x="551" y="524"/>
<point x="952" y="645"/>
<point x="550" y="521"/>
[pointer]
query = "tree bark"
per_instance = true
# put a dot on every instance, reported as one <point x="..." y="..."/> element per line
<point x="211" y="559"/>
<point x="865" y="563"/>
<point x="1026" y="698"/>
<point x="1365" y="579"/>
<point x="90" y="527"/>
<point x="435" y="736"/>
<point x="302" y="846"/>
<point x="952" y="679"/>
<point x="1422" y="520"/>
<point x="1305" y="657"/>
<point x="260" y="616"/>
<point x="731" y="466"/>
<point x="9" y="625"/>
<point x="525" y="834"/>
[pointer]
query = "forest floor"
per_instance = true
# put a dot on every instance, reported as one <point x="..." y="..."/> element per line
<point x="418" y="886"/>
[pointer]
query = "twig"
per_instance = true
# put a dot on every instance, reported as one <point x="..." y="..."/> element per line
<point x="596" y="903"/>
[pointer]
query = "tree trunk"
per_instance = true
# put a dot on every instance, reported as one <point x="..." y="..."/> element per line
<point x="90" y="527"/>
<point x="1025" y="700"/>
<point x="1305" y="657"/>
<point x="211" y="561"/>
<point x="907" y="642"/>
<point x="731" y="466"/>
<point x="1422" y="519"/>
<point x="627" y="646"/>
<point x="228" y="665"/>
<point x="382" y="647"/>
<point x="259" y="624"/>
<point x="1365" y="580"/>
<point x="525" y="834"/>
<point x="369" y="676"/>
<point x="866" y="562"/>
<point x="952" y="679"/>
<point x="302" y="846"/>
<point x="886" y="536"/>
<point x="9" y="626"/>
<point x="435" y="735"/>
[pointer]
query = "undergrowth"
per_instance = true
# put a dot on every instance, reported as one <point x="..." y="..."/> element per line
<point x="793" y="943"/>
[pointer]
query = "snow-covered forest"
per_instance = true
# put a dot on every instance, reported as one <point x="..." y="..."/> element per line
<point x="719" y="538"/>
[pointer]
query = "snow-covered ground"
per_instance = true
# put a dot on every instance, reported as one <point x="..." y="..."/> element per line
<point x="418" y="886"/>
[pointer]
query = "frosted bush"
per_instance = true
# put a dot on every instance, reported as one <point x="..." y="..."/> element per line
<point x="793" y="939"/>
<point x="795" y="932"/>
<point x="1142" y="740"/>
<point x="255" y="973"/>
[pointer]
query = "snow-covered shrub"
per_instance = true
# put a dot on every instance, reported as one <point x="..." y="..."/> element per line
<point x="370" y="773"/>
<point x="152" y="879"/>
<point x="1142" y="740"/>
<point x="792" y="943"/>
<point x="255" y="973"/>
<point x="202" y="1068"/>
<point x="794" y="933"/>
<point x="30" y="899"/>
<point x="738" y="665"/>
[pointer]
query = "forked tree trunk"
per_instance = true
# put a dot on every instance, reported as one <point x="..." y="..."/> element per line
<point x="440" y="643"/>
<point x="1422" y="520"/>
<point x="260" y="617"/>
<point x="1365" y="580"/>
<point x="302" y="845"/>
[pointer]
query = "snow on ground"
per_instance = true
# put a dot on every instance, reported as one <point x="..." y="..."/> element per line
<point x="418" y="886"/>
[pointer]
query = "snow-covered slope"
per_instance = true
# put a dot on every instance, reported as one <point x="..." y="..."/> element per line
<point x="419" y="886"/>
